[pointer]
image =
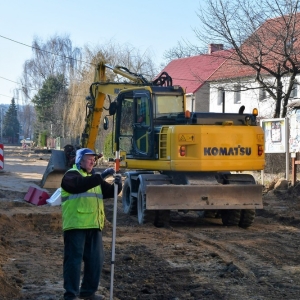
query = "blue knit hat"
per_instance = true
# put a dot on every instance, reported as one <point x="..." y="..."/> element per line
<point x="80" y="153"/>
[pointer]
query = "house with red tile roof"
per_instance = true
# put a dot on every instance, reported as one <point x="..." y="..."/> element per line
<point x="192" y="73"/>
<point x="276" y="46"/>
<point x="234" y="85"/>
<point x="219" y="82"/>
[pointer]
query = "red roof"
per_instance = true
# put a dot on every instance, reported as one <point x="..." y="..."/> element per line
<point x="192" y="72"/>
<point x="231" y="68"/>
<point x="267" y="46"/>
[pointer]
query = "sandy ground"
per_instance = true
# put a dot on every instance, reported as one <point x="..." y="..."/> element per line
<point x="193" y="258"/>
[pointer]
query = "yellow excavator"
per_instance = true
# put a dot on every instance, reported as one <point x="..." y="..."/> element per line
<point x="176" y="159"/>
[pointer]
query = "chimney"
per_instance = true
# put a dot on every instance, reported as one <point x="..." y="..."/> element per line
<point x="214" y="47"/>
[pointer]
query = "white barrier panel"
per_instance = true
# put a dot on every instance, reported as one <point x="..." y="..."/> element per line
<point x="1" y="157"/>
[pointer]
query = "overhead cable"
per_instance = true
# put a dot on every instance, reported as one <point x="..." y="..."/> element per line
<point x="46" y="50"/>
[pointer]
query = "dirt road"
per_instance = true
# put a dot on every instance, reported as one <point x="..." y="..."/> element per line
<point x="194" y="258"/>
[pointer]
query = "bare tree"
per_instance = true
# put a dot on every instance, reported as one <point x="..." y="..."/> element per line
<point x="26" y="115"/>
<point x="50" y="59"/>
<point x="181" y="50"/>
<point x="264" y="37"/>
<point x="55" y="56"/>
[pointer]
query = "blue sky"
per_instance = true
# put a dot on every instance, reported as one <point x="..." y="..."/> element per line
<point x="154" y="26"/>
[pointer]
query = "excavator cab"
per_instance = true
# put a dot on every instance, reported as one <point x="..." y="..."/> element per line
<point x="134" y="123"/>
<point x="140" y="114"/>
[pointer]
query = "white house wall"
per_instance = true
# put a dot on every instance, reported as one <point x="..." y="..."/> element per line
<point x="249" y="98"/>
<point x="199" y="101"/>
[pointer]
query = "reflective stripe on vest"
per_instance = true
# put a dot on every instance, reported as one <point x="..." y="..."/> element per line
<point x="75" y="196"/>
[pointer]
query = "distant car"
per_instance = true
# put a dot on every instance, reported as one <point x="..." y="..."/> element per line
<point x="27" y="141"/>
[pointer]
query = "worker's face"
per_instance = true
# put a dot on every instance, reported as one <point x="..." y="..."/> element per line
<point x="88" y="162"/>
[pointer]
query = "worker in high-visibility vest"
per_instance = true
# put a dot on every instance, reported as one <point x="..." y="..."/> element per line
<point x="82" y="194"/>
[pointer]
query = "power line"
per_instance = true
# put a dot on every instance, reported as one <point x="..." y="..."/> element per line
<point x="60" y="93"/>
<point x="46" y="51"/>
<point x="39" y="50"/>
<point x="34" y="89"/>
<point x="16" y="82"/>
<point x="9" y="80"/>
<point x="6" y="96"/>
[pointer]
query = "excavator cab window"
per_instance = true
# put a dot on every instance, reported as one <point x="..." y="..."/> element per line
<point x="142" y="110"/>
<point x="167" y="108"/>
<point x="142" y="129"/>
<point x="126" y="117"/>
<point x="134" y="133"/>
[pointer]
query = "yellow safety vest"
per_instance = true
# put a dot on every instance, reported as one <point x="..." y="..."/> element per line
<point x="84" y="210"/>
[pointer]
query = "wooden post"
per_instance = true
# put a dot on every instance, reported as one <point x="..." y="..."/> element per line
<point x="295" y="162"/>
<point x="294" y="171"/>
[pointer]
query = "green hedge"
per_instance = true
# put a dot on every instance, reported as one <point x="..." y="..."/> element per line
<point x="107" y="151"/>
<point x="42" y="139"/>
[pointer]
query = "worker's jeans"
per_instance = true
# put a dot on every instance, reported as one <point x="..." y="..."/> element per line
<point x="82" y="245"/>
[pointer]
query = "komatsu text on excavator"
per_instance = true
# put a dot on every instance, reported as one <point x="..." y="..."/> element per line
<point x="176" y="159"/>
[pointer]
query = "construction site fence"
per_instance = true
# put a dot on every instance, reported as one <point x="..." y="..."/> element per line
<point x="59" y="143"/>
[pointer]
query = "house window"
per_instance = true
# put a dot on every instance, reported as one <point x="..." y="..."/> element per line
<point x="237" y="94"/>
<point x="294" y="91"/>
<point x="221" y="95"/>
<point x="262" y="94"/>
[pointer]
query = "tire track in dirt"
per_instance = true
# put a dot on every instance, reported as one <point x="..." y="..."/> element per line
<point x="261" y="262"/>
<point x="266" y="260"/>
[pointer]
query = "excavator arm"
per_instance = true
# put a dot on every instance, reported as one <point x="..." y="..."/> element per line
<point x="94" y="109"/>
<point x="98" y="91"/>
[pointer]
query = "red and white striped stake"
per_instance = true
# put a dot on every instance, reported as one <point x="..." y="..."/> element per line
<point x="1" y="157"/>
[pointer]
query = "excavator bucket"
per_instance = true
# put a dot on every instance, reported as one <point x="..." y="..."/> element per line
<point x="55" y="170"/>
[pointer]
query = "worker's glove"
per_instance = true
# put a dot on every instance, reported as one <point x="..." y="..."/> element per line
<point x="107" y="172"/>
<point x="118" y="179"/>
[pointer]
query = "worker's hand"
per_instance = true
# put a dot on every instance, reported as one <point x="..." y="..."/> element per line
<point x="118" y="179"/>
<point x="107" y="172"/>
